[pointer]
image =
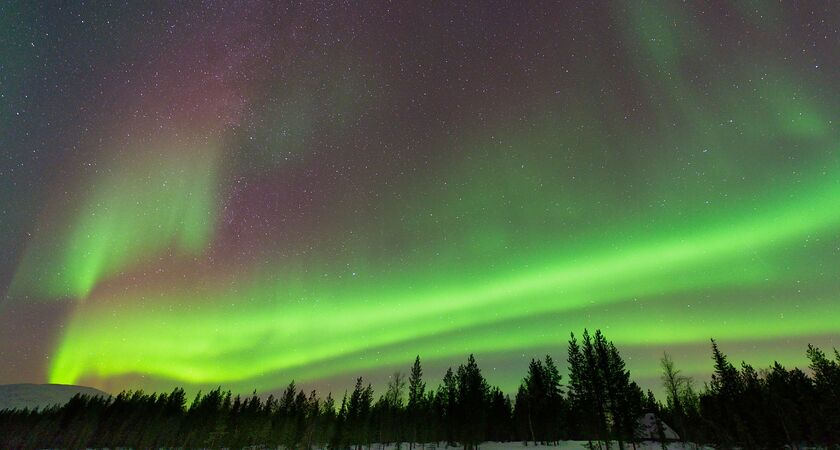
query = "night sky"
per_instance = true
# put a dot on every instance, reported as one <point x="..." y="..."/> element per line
<point x="244" y="193"/>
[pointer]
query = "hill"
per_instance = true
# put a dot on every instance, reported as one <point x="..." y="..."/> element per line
<point x="18" y="396"/>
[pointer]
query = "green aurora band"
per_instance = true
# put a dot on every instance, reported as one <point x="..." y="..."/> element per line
<point x="138" y="209"/>
<point x="238" y="336"/>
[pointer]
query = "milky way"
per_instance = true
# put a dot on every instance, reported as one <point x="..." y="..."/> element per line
<point x="244" y="194"/>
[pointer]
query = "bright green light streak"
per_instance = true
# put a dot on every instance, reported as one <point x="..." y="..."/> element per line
<point x="242" y="335"/>
<point x="136" y="210"/>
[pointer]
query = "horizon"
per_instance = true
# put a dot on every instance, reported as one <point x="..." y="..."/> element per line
<point x="379" y="379"/>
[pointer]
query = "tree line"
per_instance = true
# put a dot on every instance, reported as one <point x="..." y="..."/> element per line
<point x="598" y="403"/>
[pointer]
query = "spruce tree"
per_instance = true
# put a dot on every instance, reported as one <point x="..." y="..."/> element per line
<point x="827" y="390"/>
<point x="521" y="415"/>
<point x="581" y="410"/>
<point x="447" y="400"/>
<point x="358" y="414"/>
<point x="595" y="385"/>
<point x="432" y="429"/>
<point x="618" y="393"/>
<point x="472" y="395"/>
<point x="340" y="438"/>
<point x="725" y="380"/>
<point x="721" y="402"/>
<point x="535" y="397"/>
<point x="328" y="422"/>
<point x="555" y="401"/>
<point x="499" y="416"/>
<point x="394" y="408"/>
<point x="416" y="396"/>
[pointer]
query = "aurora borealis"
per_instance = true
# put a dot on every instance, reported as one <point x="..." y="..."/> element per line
<point x="245" y="193"/>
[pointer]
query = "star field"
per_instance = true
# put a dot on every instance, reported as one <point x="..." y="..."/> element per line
<point x="245" y="193"/>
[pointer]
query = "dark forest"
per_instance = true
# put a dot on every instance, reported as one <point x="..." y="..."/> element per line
<point x="597" y="401"/>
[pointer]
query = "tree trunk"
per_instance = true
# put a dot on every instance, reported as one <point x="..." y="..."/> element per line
<point x="531" y="427"/>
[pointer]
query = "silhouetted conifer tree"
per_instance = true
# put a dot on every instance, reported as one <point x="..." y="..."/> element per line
<point x="523" y="423"/>
<point x="827" y="389"/>
<point x="596" y="386"/>
<point x="339" y="438"/>
<point x="720" y="402"/>
<point x="539" y="405"/>
<point x="358" y="415"/>
<point x="499" y="416"/>
<point x="472" y="399"/>
<point x="446" y="402"/>
<point x="389" y="412"/>
<point x="432" y="430"/>
<point x="582" y="414"/>
<point x="416" y="408"/>
<point x="556" y="402"/>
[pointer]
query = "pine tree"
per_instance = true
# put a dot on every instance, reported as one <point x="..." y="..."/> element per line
<point x="619" y="394"/>
<point x="595" y="386"/>
<point x="340" y="438"/>
<point x="721" y="402"/>
<point x="827" y="389"/>
<point x="605" y="403"/>
<point x="393" y="408"/>
<point x="581" y="412"/>
<point x="416" y="396"/>
<point x="447" y="401"/>
<point x="725" y="380"/>
<point x="499" y="415"/>
<point x="432" y="429"/>
<point x="326" y="429"/>
<point x="534" y="387"/>
<point x="555" y="401"/>
<point x="752" y="408"/>
<point x="472" y="393"/>
<point x="539" y="404"/>
<point x="358" y="414"/>
<point x="521" y="415"/>
<point x="796" y="406"/>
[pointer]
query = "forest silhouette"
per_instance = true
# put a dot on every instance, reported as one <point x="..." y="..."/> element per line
<point x="597" y="402"/>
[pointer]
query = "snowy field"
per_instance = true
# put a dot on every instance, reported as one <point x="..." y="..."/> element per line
<point x="584" y="445"/>
<point x="564" y="445"/>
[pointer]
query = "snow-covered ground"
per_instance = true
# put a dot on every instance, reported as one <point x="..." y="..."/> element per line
<point x="583" y="445"/>
<point x="564" y="445"/>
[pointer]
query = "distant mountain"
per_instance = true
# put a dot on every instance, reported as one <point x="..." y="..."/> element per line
<point x="18" y="396"/>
